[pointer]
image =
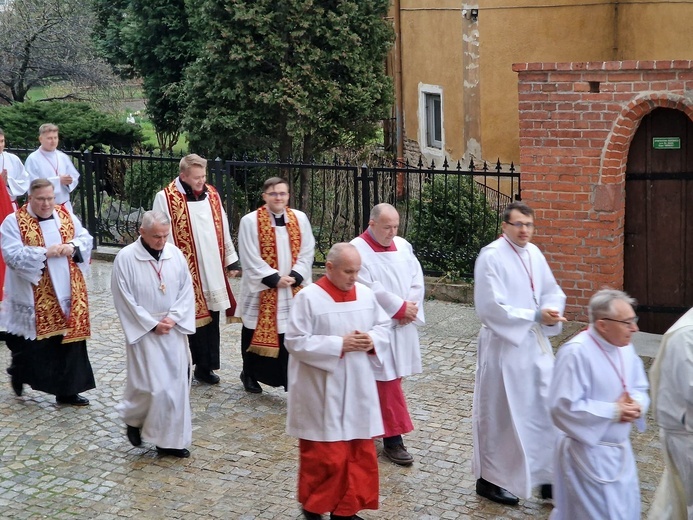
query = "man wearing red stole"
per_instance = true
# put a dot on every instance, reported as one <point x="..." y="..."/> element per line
<point x="45" y="310"/>
<point x="200" y="229"/>
<point x="276" y="247"/>
<point x="337" y="333"/>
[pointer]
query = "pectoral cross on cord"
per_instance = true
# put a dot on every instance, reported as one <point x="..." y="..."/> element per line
<point x="528" y="271"/>
<point x="162" y="285"/>
<point x="621" y="374"/>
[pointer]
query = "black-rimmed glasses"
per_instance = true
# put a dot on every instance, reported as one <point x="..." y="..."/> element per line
<point x="629" y="322"/>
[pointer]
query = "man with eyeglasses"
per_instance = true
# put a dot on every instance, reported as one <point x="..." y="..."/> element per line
<point x="200" y="229"/>
<point x="671" y="377"/>
<point x="599" y="389"/>
<point x="46" y="310"/>
<point x="276" y="246"/>
<point x="519" y="304"/>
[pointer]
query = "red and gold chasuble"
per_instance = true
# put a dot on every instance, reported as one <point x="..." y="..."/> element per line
<point x="50" y="319"/>
<point x="265" y="340"/>
<point x="181" y="229"/>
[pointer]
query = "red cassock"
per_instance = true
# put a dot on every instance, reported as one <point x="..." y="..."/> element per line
<point x="5" y="209"/>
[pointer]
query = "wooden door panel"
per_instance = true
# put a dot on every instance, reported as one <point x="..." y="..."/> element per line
<point x="658" y="253"/>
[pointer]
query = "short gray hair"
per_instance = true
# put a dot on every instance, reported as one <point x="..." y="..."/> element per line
<point x="152" y="217"/>
<point x="337" y="250"/>
<point x="378" y="210"/>
<point x="602" y="303"/>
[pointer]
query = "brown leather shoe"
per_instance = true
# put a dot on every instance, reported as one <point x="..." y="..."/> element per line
<point x="399" y="455"/>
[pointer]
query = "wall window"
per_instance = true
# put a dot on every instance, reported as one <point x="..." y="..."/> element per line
<point x="434" y="123"/>
<point x="431" y="122"/>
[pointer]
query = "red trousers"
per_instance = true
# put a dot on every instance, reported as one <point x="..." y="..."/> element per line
<point x="338" y="477"/>
<point x="393" y="406"/>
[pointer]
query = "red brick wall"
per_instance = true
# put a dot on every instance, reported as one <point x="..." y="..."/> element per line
<point x="576" y="124"/>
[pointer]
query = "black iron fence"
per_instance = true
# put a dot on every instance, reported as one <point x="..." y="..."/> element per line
<point x="447" y="213"/>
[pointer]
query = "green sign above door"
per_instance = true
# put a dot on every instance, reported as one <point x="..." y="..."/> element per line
<point x="666" y="143"/>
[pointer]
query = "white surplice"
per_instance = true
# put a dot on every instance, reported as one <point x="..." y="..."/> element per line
<point x="212" y="273"/>
<point x="510" y="418"/>
<point x="255" y="268"/>
<point x="24" y="270"/>
<point x="157" y="392"/>
<point x="51" y="165"/>
<point x="595" y="473"/>
<point x="17" y="177"/>
<point x="395" y="277"/>
<point x="333" y="397"/>
<point x="671" y="377"/>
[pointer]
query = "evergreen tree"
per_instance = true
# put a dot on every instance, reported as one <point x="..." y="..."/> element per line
<point x="294" y="77"/>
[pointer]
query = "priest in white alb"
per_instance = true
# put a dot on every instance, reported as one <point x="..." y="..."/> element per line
<point x="336" y="332"/>
<point x="599" y="390"/>
<point x="153" y="295"/>
<point x="390" y="269"/>
<point x="46" y="307"/>
<point x="200" y="229"/>
<point x="47" y="162"/>
<point x="519" y="304"/>
<point x="276" y="247"/>
<point x="671" y="377"/>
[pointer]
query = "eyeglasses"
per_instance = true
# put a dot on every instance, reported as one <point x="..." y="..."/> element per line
<point x="273" y="194"/>
<point x="628" y="322"/>
<point x="520" y="225"/>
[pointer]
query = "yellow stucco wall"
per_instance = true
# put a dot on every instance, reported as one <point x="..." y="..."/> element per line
<point x="433" y="36"/>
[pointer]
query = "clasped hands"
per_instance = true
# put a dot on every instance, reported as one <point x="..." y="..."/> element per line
<point x="56" y="250"/>
<point x="410" y="312"/>
<point x="286" y="281"/>
<point x="629" y="409"/>
<point x="164" y="326"/>
<point x="357" y="342"/>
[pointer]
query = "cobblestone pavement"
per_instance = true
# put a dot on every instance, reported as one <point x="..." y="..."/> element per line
<point x="66" y="462"/>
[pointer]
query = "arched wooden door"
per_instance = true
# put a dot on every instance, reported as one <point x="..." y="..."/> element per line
<point x="658" y="256"/>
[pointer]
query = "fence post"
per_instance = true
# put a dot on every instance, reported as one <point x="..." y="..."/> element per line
<point x="91" y="209"/>
<point x="365" y="198"/>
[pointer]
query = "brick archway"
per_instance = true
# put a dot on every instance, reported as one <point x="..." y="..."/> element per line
<point x="577" y="121"/>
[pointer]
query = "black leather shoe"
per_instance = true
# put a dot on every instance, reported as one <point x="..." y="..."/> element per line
<point x="250" y="384"/>
<point x="399" y="455"/>
<point x="546" y="491"/>
<point x="495" y="493"/>
<point x="181" y="454"/>
<point x="74" y="400"/>
<point x="206" y="376"/>
<point x="311" y="516"/>
<point x="352" y="517"/>
<point x="17" y="386"/>
<point x="134" y="435"/>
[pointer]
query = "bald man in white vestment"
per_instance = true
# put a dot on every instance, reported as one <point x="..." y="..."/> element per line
<point x="336" y="332"/>
<point x="599" y="390"/>
<point x="391" y="270"/>
<point x="153" y="295"/>
<point x="519" y="304"/>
